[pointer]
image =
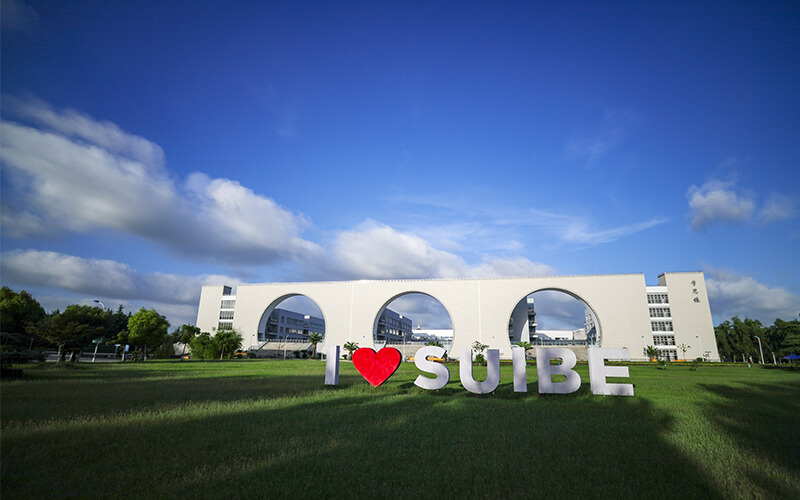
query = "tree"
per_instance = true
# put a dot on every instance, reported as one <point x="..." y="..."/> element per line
<point x="652" y="352"/>
<point x="228" y="341"/>
<point x="18" y="312"/>
<point x="204" y="347"/>
<point x="184" y="334"/>
<point x="790" y="331"/>
<point x="736" y="337"/>
<point x="525" y="345"/>
<point x="351" y="347"/>
<point x="684" y="348"/>
<point x="479" y="348"/>
<point x="315" y="338"/>
<point x="71" y="329"/>
<point x="147" y="328"/>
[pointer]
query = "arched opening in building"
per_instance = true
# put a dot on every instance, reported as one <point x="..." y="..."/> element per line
<point x="411" y="320"/>
<point x="292" y="325"/>
<point x="553" y="317"/>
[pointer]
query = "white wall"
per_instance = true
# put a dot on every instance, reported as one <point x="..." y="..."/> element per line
<point x="478" y="308"/>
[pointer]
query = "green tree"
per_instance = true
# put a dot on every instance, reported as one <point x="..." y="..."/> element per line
<point x="736" y="337"/>
<point x="351" y="347"/>
<point x="204" y="347"/>
<point x="684" y="348"/>
<point x="184" y="334"/>
<point x="525" y="345"/>
<point x="652" y="352"/>
<point x="228" y="342"/>
<point x="18" y="313"/>
<point x="479" y="348"/>
<point x="147" y="328"/>
<point x="315" y="338"/>
<point x="72" y="329"/>
<point x="789" y="331"/>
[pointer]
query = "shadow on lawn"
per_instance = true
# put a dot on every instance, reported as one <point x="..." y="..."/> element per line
<point x="764" y="420"/>
<point x="358" y="442"/>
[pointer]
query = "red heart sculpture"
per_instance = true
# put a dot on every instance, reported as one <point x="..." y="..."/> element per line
<point x="376" y="367"/>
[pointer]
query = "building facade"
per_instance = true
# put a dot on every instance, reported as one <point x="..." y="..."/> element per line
<point x="283" y="324"/>
<point x="622" y="311"/>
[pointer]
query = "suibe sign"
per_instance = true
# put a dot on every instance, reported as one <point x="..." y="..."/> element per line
<point x="378" y="367"/>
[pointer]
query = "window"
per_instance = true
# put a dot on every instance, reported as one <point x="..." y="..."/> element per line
<point x="228" y="304"/>
<point x="669" y="354"/>
<point x="659" y="312"/>
<point x="657" y="298"/>
<point x="224" y="325"/>
<point x="661" y="326"/>
<point x="663" y="339"/>
<point x="226" y="315"/>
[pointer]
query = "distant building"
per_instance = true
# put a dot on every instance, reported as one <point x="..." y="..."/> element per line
<point x="283" y="324"/>
<point x="431" y="334"/>
<point x="392" y="327"/>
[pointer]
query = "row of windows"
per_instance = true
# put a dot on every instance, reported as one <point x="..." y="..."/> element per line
<point x="661" y="326"/>
<point x="228" y="304"/>
<point x="296" y="330"/>
<point x="669" y="354"/>
<point x="660" y="312"/>
<point x="224" y="325"/>
<point x="663" y="339"/>
<point x="657" y="298"/>
<point x="226" y="315"/>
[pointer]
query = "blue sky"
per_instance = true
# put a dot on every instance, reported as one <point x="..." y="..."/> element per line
<point x="151" y="147"/>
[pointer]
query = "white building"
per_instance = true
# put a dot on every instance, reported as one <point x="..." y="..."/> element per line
<point x="431" y="334"/>
<point x="622" y="310"/>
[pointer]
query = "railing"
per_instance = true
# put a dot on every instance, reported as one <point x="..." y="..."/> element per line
<point x="262" y="343"/>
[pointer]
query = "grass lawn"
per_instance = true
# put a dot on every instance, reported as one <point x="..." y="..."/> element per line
<point x="264" y="429"/>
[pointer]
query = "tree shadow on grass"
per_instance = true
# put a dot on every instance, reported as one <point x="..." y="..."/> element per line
<point x="764" y="422"/>
<point x="359" y="442"/>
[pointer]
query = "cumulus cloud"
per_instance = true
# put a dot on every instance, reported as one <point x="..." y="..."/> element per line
<point x="78" y="174"/>
<point x="716" y="201"/>
<point x="377" y="251"/>
<point x="102" y="278"/>
<point x="423" y="310"/>
<point x="733" y="294"/>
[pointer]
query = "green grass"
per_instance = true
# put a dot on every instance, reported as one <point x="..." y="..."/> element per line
<point x="271" y="429"/>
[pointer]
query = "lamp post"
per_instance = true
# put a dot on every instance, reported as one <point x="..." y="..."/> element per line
<point x="96" y="343"/>
<point x="759" y="348"/>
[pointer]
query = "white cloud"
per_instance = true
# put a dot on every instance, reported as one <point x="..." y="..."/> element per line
<point x="423" y="310"/>
<point x="738" y="295"/>
<point x="78" y="174"/>
<point x="577" y="231"/>
<point x="72" y="124"/>
<point x="504" y="229"/>
<point x="715" y="201"/>
<point x="375" y="251"/>
<point x="102" y="278"/>
<point x="378" y="251"/>
<point x="718" y="201"/>
<point x="777" y="208"/>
